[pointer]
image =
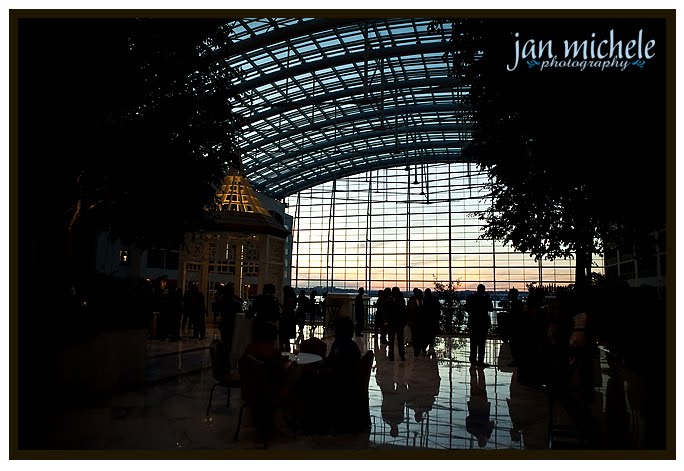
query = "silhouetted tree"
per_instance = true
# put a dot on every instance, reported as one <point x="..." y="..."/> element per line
<point x="123" y="124"/>
<point x="126" y="124"/>
<point x="576" y="158"/>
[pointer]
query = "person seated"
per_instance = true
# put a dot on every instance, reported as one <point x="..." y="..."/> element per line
<point x="344" y="355"/>
<point x="263" y="349"/>
<point x="273" y="388"/>
<point x="330" y="386"/>
<point x="341" y="378"/>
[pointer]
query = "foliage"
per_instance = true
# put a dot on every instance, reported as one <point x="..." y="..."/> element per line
<point x="542" y="290"/>
<point x="453" y="315"/>
<point x="568" y="151"/>
<point x="131" y="128"/>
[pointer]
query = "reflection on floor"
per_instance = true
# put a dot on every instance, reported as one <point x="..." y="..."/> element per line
<point x="433" y="403"/>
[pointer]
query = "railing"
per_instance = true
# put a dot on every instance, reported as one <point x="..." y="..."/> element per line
<point x="457" y="325"/>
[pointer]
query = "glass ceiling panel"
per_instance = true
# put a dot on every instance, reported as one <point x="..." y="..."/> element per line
<point x="326" y="98"/>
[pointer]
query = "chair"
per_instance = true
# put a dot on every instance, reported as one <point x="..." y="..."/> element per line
<point x="220" y="370"/>
<point x="314" y="345"/>
<point x="259" y="393"/>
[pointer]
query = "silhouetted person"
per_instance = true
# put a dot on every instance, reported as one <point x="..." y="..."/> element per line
<point x="478" y="422"/>
<point x="531" y="333"/>
<point x="186" y="318"/>
<point x="175" y="306"/>
<point x="312" y="309"/>
<point x="321" y="309"/>
<point x="414" y="314"/>
<point x="163" y="301"/>
<point x="215" y="310"/>
<point x="280" y="381"/>
<point x="504" y="317"/>
<point x="478" y="306"/>
<point x="143" y="302"/>
<point x="265" y="306"/>
<point x="340" y="372"/>
<point x="302" y="309"/>
<point x="617" y="417"/>
<point x="264" y="336"/>
<point x="195" y="306"/>
<point x="581" y="343"/>
<point x="396" y="313"/>
<point x="344" y="352"/>
<point x="288" y="329"/>
<point x="380" y="324"/>
<point x="431" y="313"/>
<point x="360" y="312"/>
<point x="515" y="322"/>
<point x="165" y="306"/>
<point x="229" y="304"/>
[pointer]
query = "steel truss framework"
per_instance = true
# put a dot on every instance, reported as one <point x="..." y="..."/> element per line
<point x="328" y="98"/>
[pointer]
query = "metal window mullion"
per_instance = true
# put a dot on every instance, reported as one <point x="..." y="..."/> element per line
<point x="296" y="231"/>
<point x="330" y="266"/>
<point x="369" y="233"/>
<point x="408" y="231"/>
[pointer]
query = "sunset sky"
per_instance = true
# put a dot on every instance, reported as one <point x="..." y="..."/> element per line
<point x="397" y="241"/>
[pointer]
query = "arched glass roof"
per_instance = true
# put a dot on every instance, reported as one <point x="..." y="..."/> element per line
<point x="326" y="98"/>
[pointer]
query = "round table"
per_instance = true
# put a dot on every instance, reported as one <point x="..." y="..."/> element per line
<point x="303" y="358"/>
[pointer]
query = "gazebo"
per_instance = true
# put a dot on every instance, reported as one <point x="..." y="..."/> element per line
<point x="241" y="243"/>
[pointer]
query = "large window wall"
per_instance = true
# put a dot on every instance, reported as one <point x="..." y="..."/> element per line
<point x="393" y="227"/>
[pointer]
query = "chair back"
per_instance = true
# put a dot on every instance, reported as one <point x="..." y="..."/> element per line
<point x="219" y="359"/>
<point x="255" y="384"/>
<point x="314" y="345"/>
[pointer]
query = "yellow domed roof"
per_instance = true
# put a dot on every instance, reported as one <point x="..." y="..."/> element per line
<point x="236" y="194"/>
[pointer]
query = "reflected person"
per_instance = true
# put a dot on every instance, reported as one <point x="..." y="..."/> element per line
<point x="394" y="390"/>
<point x="477" y="422"/>
<point x="423" y="387"/>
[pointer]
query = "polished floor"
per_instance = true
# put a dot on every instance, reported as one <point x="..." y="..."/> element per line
<point x="438" y="403"/>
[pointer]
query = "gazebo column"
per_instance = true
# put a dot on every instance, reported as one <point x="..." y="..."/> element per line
<point x="204" y="267"/>
<point x="239" y="266"/>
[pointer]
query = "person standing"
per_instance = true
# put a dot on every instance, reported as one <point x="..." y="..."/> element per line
<point x="360" y="311"/>
<point x="176" y="313"/>
<point x="229" y="304"/>
<point x="515" y="321"/>
<point x="302" y="309"/>
<point x="186" y="318"/>
<point x="431" y="313"/>
<point x="396" y="311"/>
<point x="414" y="311"/>
<point x="478" y="306"/>
<point x="287" y="318"/>
<point x="265" y="306"/>
<point x="379" y="324"/>
<point x="312" y="309"/>
<point x="197" y="310"/>
<point x="164" y="299"/>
